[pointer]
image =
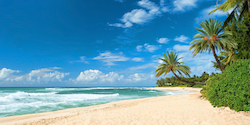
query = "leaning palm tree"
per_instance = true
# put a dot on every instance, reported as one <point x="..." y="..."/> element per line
<point x="238" y="6"/>
<point x="172" y="63"/>
<point x="212" y="38"/>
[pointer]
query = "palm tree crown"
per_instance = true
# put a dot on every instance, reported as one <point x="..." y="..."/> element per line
<point x="171" y="63"/>
<point x="237" y="6"/>
<point x="211" y="37"/>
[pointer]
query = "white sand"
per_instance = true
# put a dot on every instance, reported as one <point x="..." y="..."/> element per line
<point x="187" y="109"/>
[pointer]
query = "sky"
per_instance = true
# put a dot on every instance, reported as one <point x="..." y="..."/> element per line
<point x="84" y="43"/>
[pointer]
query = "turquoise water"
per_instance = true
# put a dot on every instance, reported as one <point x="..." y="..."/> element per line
<point x="19" y="101"/>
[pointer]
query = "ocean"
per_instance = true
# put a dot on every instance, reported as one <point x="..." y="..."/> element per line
<point x="19" y="101"/>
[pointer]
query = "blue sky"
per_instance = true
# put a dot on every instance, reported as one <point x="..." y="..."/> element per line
<point x="97" y="42"/>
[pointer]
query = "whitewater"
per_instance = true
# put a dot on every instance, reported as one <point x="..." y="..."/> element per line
<point x="19" y="101"/>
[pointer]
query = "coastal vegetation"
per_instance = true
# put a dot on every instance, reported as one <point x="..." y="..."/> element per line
<point x="231" y="87"/>
<point x="174" y="82"/>
<point x="171" y="62"/>
<point x="211" y="37"/>
<point x="238" y="6"/>
<point x="231" y="41"/>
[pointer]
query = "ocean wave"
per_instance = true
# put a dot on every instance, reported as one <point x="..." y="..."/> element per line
<point x="82" y="97"/>
<point x="10" y="97"/>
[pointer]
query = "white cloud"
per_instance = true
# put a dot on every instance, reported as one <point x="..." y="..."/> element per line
<point x="179" y="47"/>
<point x="90" y="77"/>
<point x="109" y="58"/>
<point x="139" y="77"/>
<point x="126" y="25"/>
<point x="151" y="48"/>
<point x="43" y="75"/>
<point x="147" y="47"/>
<point x="151" y="6"/>
<point x="139" y="48"/>
<point x="138" y="59"/>
<point x="140" y="16"/>
<point x="163" y="7"/>
<point x="137" y="16"/>
<point x="96" y="76"/>
<point x="5" y="73"/>
<point x="181" y="38"/>
<point x="183" y="5"/>
<point x="163" y="40"/>
<point x="203" y="15"/>
<point x="83" y="59"/>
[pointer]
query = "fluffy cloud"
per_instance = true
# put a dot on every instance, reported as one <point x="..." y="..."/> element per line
<point x="163" y="7"/>
<point x="83" y="59"/>
<point x="138" y="59"/>
<point x="141" y="16"/>
<point x="183" y="5"/>
<point x="139" y="77"/>
<point x="181" y="38"/>
<point x="5" y="73"/>
<point x="163" y="40"/>
<point x="109" y="58"/>
<point x="91" y="77"/>
<point x="179" y="47"/>
<point x="139" y="48"/>
<point x="96" y="76"/>
<point x="203" y="15"/>
<point x="44" y="75"/>
<point x="125" y="25"/>
<point x="147" y="47"/>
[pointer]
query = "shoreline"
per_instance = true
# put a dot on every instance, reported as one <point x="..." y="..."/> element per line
<point x="171" y="109"/>
<point x="189" y="89"/>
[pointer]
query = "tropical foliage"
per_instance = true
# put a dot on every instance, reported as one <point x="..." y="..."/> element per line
<point x="173" y="81"/>
<point x="211" y="37"/>
<point x="231" y="88"/>
<point x="237" y="6"/>
<point x="171" y="62"/>
<point x="241" y="35"/>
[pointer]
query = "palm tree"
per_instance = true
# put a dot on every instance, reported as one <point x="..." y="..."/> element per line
<point x="239" y="6"/>
<point x="228" y="56"/>
<point x="212" y="38"/>
<point x="172" y="63"/>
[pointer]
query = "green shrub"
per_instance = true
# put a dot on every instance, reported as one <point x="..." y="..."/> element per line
<point x="197" y="86"/>
<point x="231" y="88"/>
<point x="212" y="81"/>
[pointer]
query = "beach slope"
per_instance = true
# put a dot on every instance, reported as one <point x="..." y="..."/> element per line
<point x="186" y="109"/>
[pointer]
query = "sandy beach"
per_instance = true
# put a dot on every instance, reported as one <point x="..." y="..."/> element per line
<point x="186" y="109"/>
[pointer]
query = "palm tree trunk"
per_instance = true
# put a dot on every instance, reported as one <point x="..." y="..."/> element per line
<point x="216" y="58"/>
<point x="201" y="83"/>
<point x="248" y="5"/>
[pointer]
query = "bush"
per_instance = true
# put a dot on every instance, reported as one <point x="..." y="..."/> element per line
<point x="197" y="86"/>
<point x="231" y="88"/>
<point x="212" y="81"/>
